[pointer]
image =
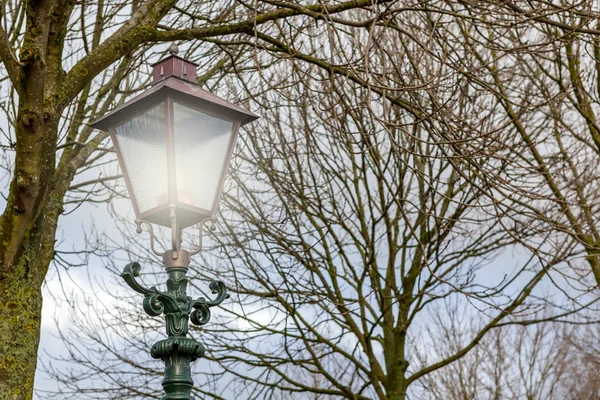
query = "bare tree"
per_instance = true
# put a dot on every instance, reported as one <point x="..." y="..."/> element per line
<point x="339" y="236"/>
<point x="532" y="361"/>
<point x="65" y="63"/>
<point x="496" y="98"/>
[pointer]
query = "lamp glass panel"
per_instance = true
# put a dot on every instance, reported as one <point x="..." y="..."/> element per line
<point x="143" y="144"/>
<point x="201" y="144"/>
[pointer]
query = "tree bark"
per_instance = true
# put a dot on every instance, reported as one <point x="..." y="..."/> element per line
<point x="20" y="319"/>
<point x="26" y="223"/>
<point x="27" y="234"/>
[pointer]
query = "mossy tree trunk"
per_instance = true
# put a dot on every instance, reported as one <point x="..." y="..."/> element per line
<point x="28" y="224"/>
<point x="40" y="179"/>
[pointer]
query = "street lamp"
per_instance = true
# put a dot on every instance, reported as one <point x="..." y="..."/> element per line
<point x="174" y="143"/>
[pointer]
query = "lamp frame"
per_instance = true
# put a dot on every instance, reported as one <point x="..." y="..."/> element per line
<point x="160" y="213"/>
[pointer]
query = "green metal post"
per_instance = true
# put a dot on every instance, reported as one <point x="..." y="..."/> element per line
<point x="177" y="350"/>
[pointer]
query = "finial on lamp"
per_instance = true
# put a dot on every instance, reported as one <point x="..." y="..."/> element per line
<point x="173" y="49"/>
<point x="174" y="65"/>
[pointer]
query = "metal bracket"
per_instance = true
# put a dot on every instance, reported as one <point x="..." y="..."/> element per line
<point x="139" y="223"/>
<point x="175" y="236"/>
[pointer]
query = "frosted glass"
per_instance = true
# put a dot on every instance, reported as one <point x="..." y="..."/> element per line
<point x="143" y="144"/>
<point x="201" y="143"/>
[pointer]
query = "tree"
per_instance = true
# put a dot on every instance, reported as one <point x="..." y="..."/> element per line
<point x="68" y="59"/>
<point x="338" y="244"/>
<point x="538" y="361"/>
<point x="457" y="70"/>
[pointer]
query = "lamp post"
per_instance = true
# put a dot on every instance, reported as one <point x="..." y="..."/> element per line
<point x="173" y="144"/>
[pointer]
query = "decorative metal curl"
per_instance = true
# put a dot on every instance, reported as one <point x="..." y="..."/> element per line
<point x="130" y="272"/>
<point x="175" y="304"/>
<point x="153" y="304"/>
<point x="201" y="314"/>
<point x="154" y="300"/>
<point x="177" y="350"/>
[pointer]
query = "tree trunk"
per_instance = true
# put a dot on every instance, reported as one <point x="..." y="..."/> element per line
<point x="20" y="319"/>
<point x="27" y="233"/>
<point x="28" y="223"/>
<point x="396" y="363"/>
<point x="27" y="229"/>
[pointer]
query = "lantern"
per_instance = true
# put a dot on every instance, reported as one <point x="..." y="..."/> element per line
<point x="174" y="143"/>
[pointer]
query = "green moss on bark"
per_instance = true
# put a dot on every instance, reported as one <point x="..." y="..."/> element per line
<point x="20" y="321"/>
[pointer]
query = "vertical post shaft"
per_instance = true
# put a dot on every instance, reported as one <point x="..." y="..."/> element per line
<point x="177" y="351"/>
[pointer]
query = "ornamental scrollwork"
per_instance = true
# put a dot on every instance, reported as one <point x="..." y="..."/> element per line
<point x="175" y="304"/>
<point x="201" y="314"/>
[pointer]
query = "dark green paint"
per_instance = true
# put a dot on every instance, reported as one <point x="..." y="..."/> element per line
<point x="177" y="351"/>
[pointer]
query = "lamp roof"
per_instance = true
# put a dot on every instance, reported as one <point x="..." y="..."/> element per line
<point x="175" y="85"/>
